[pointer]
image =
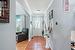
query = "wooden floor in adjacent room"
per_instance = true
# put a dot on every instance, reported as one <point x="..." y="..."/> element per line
<point x="36" y="43"/>
<point x="21" y="45"/>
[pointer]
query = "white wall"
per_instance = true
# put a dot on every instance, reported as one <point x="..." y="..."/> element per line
<point x="7" y="31"/>
<point x="73" y="23"/>
<point x="20" y="10"/>
<point x="62" y="31"/>
<point x="25" y="5"/>
<point x="73" y="36"/>
<point x="73" y="12"/>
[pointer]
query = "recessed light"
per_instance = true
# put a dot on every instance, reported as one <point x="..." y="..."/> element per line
<point x="38" y="10"/>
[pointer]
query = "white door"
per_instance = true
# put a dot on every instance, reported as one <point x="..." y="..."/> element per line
<point x="37" y="25"/>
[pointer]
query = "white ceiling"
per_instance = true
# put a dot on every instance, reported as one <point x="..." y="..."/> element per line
<point x="35" y="5"/>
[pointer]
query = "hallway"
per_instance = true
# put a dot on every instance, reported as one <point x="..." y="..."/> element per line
<point x="45" y="24"/>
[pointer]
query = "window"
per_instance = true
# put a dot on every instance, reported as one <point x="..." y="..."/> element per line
<point x="18" y="23"/>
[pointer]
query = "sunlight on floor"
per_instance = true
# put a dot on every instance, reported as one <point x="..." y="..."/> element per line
<point x="21" y="45"/>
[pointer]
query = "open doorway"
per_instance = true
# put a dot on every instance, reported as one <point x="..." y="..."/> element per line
<point x="22" y="29"/>
<point x="29" y="23"/>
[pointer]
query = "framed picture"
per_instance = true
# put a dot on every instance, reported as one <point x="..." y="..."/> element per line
<point x="4" y="11"/>
<point x="66" y="6"/>
<point x="50" y="14"/>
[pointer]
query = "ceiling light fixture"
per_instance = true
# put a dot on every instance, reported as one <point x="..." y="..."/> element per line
<point x="37" y="10"/>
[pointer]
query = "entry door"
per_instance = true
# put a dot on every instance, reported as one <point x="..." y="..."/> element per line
<point x="37" y="25"/>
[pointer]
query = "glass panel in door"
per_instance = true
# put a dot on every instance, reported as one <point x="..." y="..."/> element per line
<point x="37" y="25"/>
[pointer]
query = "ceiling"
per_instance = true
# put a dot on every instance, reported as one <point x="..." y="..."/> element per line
<point x="38" y="5"/>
